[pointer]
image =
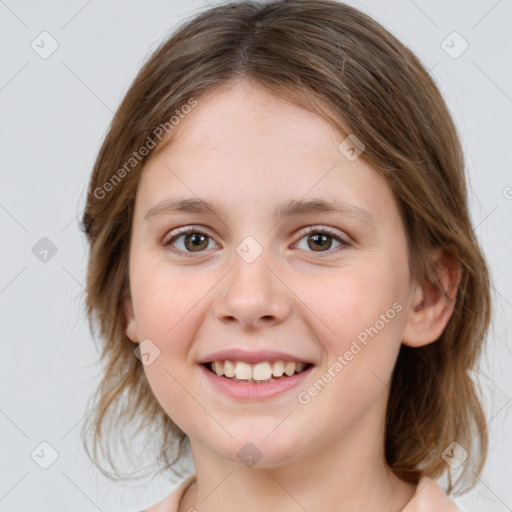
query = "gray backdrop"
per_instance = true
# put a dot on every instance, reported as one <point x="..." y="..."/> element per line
<point x="65" y="68"/>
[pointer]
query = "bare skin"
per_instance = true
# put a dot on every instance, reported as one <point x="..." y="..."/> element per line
<point x="250" y="151"/>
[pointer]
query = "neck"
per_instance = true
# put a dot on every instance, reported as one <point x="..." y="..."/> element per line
<point x="350" y="474"/>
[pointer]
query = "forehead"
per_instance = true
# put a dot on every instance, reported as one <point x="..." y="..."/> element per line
<point x="244" y="146"/>
<point x="239" y="121"/>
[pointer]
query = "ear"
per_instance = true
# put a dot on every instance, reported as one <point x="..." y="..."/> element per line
<point x="131" y="324"/>
<point x="429" y="308"/>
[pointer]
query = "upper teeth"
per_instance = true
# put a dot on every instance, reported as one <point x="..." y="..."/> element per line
<point x="260" y="371"/>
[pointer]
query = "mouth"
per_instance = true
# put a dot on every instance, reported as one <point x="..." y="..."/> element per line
<point x="259" y="373"/>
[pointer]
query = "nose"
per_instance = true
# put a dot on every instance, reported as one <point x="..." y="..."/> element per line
<point x="252" y="294"/>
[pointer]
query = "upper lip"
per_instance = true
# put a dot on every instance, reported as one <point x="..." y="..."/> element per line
<point x="253" y="357"/>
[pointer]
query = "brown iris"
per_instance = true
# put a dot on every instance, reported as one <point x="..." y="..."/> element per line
<point x="320" y="239"/>
<point x="194" y="241"/>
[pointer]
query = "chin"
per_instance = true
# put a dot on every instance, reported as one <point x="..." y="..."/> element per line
<point x="260" y="451"/>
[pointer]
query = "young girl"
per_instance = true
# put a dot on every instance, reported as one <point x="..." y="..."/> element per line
<point x="283" y="270"/>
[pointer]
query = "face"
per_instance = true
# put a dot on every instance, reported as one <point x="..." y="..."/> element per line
<point x="324" y="288"/>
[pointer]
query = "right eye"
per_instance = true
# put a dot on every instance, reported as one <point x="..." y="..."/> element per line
<point x="194" y="240"/>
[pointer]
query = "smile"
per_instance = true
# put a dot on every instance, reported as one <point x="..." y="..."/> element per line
<point x="255" y="382"/>
<point x="266" y="371"/>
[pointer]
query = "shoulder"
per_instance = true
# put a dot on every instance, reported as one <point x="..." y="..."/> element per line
<point x="429" y="497"/>
<point x="170" y="503"/>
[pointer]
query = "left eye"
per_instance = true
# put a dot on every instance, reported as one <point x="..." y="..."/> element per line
<point x="322" y="238"/>
<point x="196" y="240"/>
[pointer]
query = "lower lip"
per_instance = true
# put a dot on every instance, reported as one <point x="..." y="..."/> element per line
<point x="252" y="391"/>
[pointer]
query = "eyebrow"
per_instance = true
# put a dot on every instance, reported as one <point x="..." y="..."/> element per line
<point x="294" y="207"/>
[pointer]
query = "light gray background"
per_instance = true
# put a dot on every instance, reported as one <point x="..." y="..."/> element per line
<point x="54" y="114"/>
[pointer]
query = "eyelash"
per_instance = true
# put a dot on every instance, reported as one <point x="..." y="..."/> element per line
<point x="310" y="230"/>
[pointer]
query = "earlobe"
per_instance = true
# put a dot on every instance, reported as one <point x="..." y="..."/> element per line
<point x="430" y="307"/>
<point x="131" y="324"/>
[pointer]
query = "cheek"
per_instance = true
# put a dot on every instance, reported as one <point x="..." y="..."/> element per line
<point x="164" y="302"/>
<point x="356" y="299"/>
<point x="364" y="313"/>
<point x="166" y="315"/>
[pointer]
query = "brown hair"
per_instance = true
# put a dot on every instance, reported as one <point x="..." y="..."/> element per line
<point x="334" y="60"/>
